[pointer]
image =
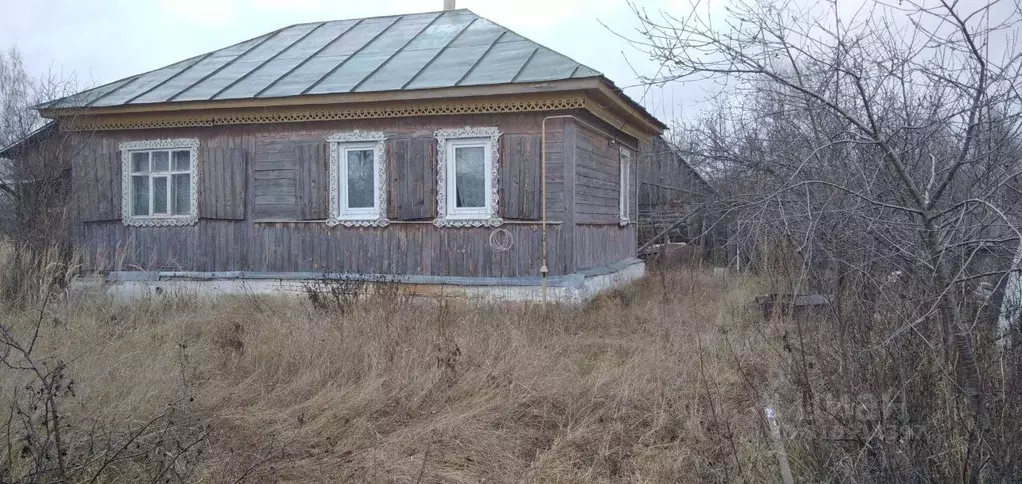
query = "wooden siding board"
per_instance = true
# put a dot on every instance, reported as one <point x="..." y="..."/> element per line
<point x="225" y="245"/>
<point x="597" y="179"/>
<point x="310" y="189"/>
<point x="96" y="184"/>
<point x="228" y="178"/>
<point x="566" y="232"/>
<point x="253" y="152"/>
<point x="599" y="245"/>
<point x="95" y="197"/>
<point x="114" y="182"/>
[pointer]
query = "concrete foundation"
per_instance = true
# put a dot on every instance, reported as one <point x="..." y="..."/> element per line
<point x="573" y="289"/>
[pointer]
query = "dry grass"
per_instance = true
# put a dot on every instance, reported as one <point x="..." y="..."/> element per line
<point x="415" y="391"/>
<point x="664" y="381"/>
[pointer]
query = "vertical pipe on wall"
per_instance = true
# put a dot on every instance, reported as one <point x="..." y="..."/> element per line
<point x="543" y="269"/>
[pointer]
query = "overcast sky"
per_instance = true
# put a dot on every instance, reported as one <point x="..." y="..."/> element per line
<point x="99" y="41"/>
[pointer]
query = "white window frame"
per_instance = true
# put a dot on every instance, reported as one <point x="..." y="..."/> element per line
<point x="340" y="213"/>
<point x="448" y="214"/>
<point x="625" y="183"/>
<point x="160" y="220"/>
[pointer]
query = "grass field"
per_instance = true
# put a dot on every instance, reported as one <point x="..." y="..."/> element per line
<point x="383" y="389"/>
<point x="663" y="381"/>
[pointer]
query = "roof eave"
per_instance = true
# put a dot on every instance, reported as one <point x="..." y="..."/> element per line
<point x="633" y="108"/>
<point x="582" y="84"/>
<point x="608" y="95"/>
<point x="39" y="132"/>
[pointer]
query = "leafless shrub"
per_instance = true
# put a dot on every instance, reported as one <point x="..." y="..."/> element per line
<point x="871" y="153"/>
<point x="42" y="445"/>
<point x="29" y="274"/>
<point x="335" y="294"/>
<point x="35" y="154"/>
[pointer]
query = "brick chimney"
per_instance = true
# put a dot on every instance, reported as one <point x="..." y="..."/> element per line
<point x="449" y="5"/>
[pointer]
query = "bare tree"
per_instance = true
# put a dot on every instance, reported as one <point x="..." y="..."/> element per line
<point x="34" y="156"/>
<point x="882" y="145"/>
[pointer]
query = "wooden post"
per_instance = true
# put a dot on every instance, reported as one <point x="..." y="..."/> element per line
<point x="778" y="445"/>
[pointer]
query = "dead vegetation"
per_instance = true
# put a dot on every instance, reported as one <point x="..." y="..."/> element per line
<point x="665" y="381"/>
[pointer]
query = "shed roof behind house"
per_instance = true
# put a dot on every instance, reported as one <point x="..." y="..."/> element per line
<point x="400" y="52"/>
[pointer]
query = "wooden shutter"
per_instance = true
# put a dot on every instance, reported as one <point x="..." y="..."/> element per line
<point x="411" y="167"/>
<point x="222" y="182"/>
<point x="520" y="177"/>
<point x="312" y="181"/>
<point x="291" y="181"/>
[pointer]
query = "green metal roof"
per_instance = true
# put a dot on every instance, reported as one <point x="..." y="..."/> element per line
<point x="400" y="52"/>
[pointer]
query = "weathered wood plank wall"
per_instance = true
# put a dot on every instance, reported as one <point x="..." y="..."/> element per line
<point x="96" y="181"/>
<point x="669" y="190"/>
<point x="277" y="224"/>
<point x="599" y="245"/>
<point x="409" y="248"/>
<point x="598" y="178"/>
<point x="599" y="239"/>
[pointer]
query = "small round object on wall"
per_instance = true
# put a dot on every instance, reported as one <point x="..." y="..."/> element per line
<point x="501" y="240"/>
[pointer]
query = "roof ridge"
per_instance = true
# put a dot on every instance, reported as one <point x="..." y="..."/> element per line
<point x="382" y="16"/>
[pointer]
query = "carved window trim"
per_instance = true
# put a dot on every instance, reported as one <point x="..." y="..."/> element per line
<point x="178" y="144"/>
<point x="625" y="183"/>
<point x="377" y="141"/>
<point x="489" y="135"/>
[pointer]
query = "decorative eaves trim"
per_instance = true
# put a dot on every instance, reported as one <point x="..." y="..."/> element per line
<point x="192" y="145"/>
<point x="296" y="114"/>
<point x="380" y="164"/>
<point x="442" y="136"/>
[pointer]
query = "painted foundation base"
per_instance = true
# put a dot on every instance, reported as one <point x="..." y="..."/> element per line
<point x="573" y="289"/>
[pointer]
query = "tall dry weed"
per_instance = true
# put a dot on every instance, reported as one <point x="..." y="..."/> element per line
<point x="664" y="381"/>
<point x="28" y="273"/>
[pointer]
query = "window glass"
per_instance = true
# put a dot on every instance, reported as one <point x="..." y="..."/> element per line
<point x="360" y="179"/>
<point x="470" y="176"/>
<point x="156" y="190"/>
<point x="159" y="195"/>
<point x="182" y="200"/>
<point x="161" y="160"/>
<point x="182" y="161"/>
<point x="140" y="162"/>
<point x="140" y="195"/>
<point x="356" y="188"/>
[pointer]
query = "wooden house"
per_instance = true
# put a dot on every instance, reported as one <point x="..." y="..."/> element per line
<point x="439" y="150"/>
<point x="670" y="190"/>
